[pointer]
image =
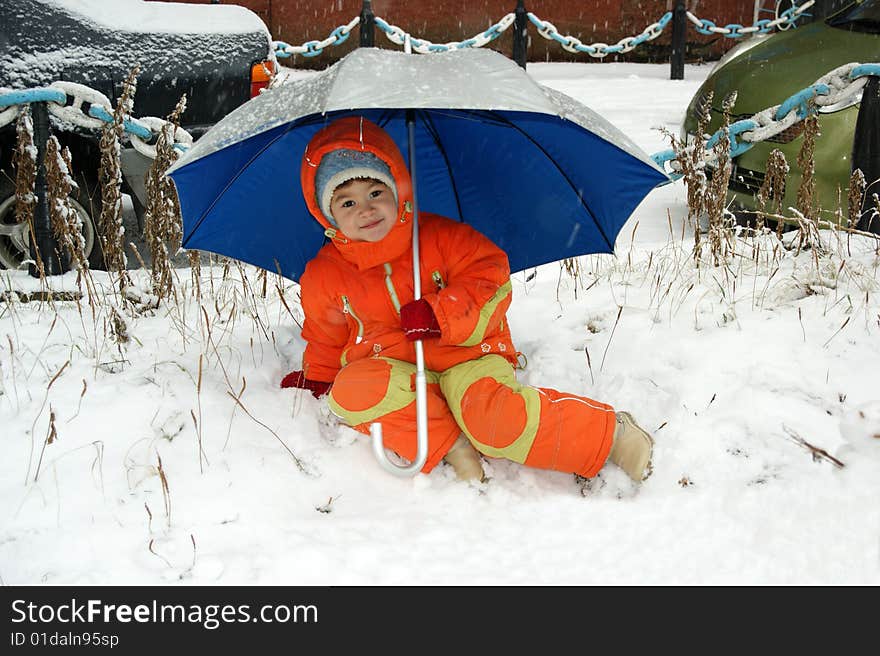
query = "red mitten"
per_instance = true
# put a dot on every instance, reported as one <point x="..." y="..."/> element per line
<point x="418" y="321"/>
<point x="298" y="379"/>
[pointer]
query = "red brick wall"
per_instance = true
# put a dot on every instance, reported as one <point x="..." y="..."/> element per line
<point x="440" y="21"/>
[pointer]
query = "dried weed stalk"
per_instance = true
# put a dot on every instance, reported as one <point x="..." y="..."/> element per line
<point x="772" y="190"/>
<point x="51" y="436"/>
<point x="163" y="227"/>
<point x="62" y="217"/>
<point x="571" y="266"/>
<point x="195" y="270"/>
<point x="24" y="159"/>
<point x="806" y="194"/>
<point x="119" y="327"/>
<point x="856" y="193"/>
<point x="65" y="220"/>
<point x="111" y="229"/>
<point x="691" y="162"/>
<point x="720" y="233"/>
<point x="166" y="491"/>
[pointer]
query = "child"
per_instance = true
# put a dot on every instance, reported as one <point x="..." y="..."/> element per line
<point x="361" y="321"/>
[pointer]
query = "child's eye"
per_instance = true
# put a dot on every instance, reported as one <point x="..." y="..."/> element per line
<point x="348" y="203"/>
<point x="376" y="193"/>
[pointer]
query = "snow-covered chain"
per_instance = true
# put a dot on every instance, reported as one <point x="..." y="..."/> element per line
<point x="838" y="86"/>
<point x="734" y="30"/>
<point x="401" y="38"/>
<point x="546" y="29"/>
<point x="573" y="44"/>
<point x="314" y="48"/>
<point x="67" y="100"/>
<point x="787" y="19"/>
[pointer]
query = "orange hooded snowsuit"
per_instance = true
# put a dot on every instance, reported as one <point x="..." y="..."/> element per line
<point x="351" y="294"/>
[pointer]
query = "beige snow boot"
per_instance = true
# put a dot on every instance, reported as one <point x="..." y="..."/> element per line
<point x="465" y="460"/>
<point x="632" y="447"/>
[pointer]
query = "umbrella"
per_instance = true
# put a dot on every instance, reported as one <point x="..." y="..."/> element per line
<point x="539" y="173"/>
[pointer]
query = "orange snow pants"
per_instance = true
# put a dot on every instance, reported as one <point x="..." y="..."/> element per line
<point x="481" y="398"/>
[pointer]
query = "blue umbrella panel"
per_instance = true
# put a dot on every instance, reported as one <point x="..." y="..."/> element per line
<point x="541" y="187"/>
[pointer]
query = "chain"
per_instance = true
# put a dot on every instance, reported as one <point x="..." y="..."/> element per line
<point x="67" y="101"/>
<point x="734" y="30"/>
<point x="836" y="87"/>
<point x="315" y="48"/>
<point x="401" y="38"/>
<point x="545" y="28"/>
<point x="573" y="44"/>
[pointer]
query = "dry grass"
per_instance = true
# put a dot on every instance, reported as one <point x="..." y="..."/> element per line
<point x="855" y="195"/>
<point x="24" y="160"/>
<point x="720" y="221"/>
<point x="806" y="214"/>
<point x="65" y="220"/>
<point x="773" y="189"/>
<point x="164" y="226"/>
<point x="806" y="203"/>
<point x="691" y="162"/>
<point x="110" y="227"/>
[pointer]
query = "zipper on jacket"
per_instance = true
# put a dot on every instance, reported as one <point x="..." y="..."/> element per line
<point x="330" y="233"/>
<point x="438" y="280"/>
<point x="346" y="307"/>
<point x="407" y="209"/>
<point x="389" y="285"/>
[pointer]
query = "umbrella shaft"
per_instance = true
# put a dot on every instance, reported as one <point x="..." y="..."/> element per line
<point x="421" y="400"/>
<point x="417" y="277"/>
<point x="421" y="384"/>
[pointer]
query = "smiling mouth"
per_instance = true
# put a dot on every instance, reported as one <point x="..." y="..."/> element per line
<point x="371" y="225"/>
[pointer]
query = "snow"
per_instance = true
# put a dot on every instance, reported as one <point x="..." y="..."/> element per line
<point x="736" y="370"/>
<point x="165" y="17"/>
<point x="88" y="42"/>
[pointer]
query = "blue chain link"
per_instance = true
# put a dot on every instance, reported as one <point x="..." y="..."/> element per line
<point x="340" y="36"/>
<point x="763" y="26"/>
<point x="798" y="102"/>
<point x="281" y="49"/>
<point x="47" y="94"/>
<point x="26" y="96"/>
<point x="801" y="100"/>
<point x="130" y="125"/>
<point x="312" y="49"/>
<point x="703" y="27"/>
<point x="865" y="69"/>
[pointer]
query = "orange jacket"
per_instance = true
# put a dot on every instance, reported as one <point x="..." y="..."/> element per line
<point x="352" y="291"/>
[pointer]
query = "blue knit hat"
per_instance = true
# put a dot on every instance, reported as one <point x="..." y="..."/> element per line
<point x="340" y="166"/>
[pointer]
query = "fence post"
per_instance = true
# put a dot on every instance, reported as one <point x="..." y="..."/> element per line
<point x="43" y="244"/>
<point x="676" y="56"/>
<point x="866" y="152"/>
<point x="520" y="34"/>
<point x="367" y="25"/>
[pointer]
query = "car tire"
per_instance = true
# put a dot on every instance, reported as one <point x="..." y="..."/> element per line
<point x="15" y="239"/>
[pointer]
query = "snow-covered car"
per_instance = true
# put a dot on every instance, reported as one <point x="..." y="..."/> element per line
<point x="218" y="55"/>
<point x="768" y="70"/>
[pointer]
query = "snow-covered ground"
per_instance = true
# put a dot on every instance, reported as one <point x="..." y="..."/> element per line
<point x="758" y="380"/>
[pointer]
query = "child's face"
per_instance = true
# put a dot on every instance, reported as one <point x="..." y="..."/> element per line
<point x="364" y="210"/>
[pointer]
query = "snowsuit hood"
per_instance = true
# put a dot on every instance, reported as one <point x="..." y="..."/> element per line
<point x="358" y="133"/>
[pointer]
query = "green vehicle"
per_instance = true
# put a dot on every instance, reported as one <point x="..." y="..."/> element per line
<point x="766" y="72"/>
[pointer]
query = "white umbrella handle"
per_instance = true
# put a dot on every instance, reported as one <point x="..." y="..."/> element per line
<point x="421" y="427"/>
<point x="421" y="384"/>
